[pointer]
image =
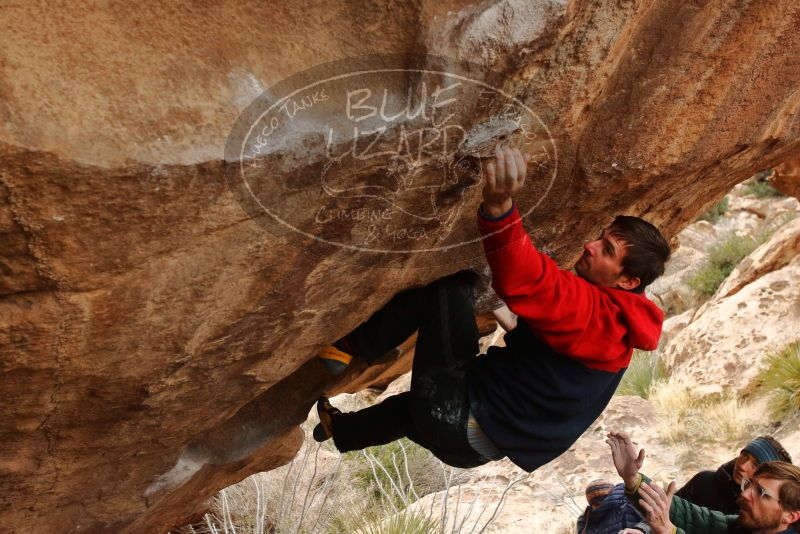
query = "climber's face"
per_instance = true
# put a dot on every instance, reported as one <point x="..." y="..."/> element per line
<point x="601" y="262"/>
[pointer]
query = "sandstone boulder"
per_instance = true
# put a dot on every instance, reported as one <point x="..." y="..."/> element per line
<point x="773" y="255"/>
<point x="787" y="178"/>
<point x="671" y="291"/>
<point x="674" y="325"/>
<point x="158" y="330"/>
<point x="747" y="217"/>
<point x="754" y="312"/>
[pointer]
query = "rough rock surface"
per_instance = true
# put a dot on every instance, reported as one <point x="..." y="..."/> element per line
<point x="746" y="217"/>
<point x="755" y="311"/>
<point x="670" y="291"/>
<point x="157" y="342"/>
<point x="787" y="178"/>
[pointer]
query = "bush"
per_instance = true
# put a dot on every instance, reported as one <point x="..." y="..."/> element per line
<point x="301" y="497"/>
<point x="761" y="188"/>
<point x="716" y="211"/>
<point x="721" y="262"/>
<point x="781" y="380"/>
<point x="371" y="492"/>
<point x="411" y="469"/>
<point x="405" y="522"/>
<point x="644" y="372"/>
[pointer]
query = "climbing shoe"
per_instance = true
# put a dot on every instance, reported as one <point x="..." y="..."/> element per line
<point x="335" y="359"/>
<point x="324" y="430"/>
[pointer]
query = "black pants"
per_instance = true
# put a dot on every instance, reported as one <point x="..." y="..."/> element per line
<point x="434" y="413"/>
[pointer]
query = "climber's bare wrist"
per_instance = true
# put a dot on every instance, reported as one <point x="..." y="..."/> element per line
<point x="497" y="208"/>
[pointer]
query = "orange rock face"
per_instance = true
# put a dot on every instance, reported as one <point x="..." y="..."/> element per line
<point x="159" y="317"/>
<point x="787" y="178"/>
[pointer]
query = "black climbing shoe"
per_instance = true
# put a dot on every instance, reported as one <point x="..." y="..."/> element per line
<point x="324" y="430"/>
<point x="335" y="360"/>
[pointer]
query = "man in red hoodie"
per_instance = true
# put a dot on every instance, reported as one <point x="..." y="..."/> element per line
<point x="531" y="399"/>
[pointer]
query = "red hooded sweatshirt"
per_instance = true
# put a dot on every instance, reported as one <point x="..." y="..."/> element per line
<point x="563" y="361"/>
<point x="598" y="325"/>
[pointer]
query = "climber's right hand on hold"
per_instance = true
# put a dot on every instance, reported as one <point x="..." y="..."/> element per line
<point x="504" y="177"/>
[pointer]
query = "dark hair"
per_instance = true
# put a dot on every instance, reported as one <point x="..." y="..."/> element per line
<point x="789" y="494"/>
<point x="646" y="251"/>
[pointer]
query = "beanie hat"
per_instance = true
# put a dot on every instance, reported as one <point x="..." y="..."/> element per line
<point x="762" y="450"/>
<point x="596" y="491"/>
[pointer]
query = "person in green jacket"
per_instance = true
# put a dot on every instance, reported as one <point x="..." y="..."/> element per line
<point x="769" y="503"/>
<point x="720" y="489"/>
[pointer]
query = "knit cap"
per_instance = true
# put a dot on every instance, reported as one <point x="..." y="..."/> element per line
<point x="597" y="490"/>
<point x="762" y="450"/>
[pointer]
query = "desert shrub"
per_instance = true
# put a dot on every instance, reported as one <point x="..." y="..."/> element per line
<point x="371" y="492"/>
<point x="644" y="372"/>
<point x="760" y="187"/>
<point x="781" y="380"/>
<point x="716" y="211"/>
<point x="721" y="262"/>
<point x="414" y="471"/>
<point x="300" y="497"/>
<point x="405" y="522"/>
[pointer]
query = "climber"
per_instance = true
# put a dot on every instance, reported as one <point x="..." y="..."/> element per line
<point x="531" y="399"/>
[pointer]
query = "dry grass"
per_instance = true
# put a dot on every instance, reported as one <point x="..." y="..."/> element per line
<point x="695" y="425"/>
<point x="303" y="496"/>
<point x="370" y="492"/>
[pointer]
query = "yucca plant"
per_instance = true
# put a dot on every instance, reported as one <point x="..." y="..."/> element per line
<point x="781" y="380"/>
<point x="405" y="522"/>
<point x="645" y="370"/>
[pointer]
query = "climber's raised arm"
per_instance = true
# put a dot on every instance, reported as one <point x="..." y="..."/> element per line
<point x="504" y="177"/>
